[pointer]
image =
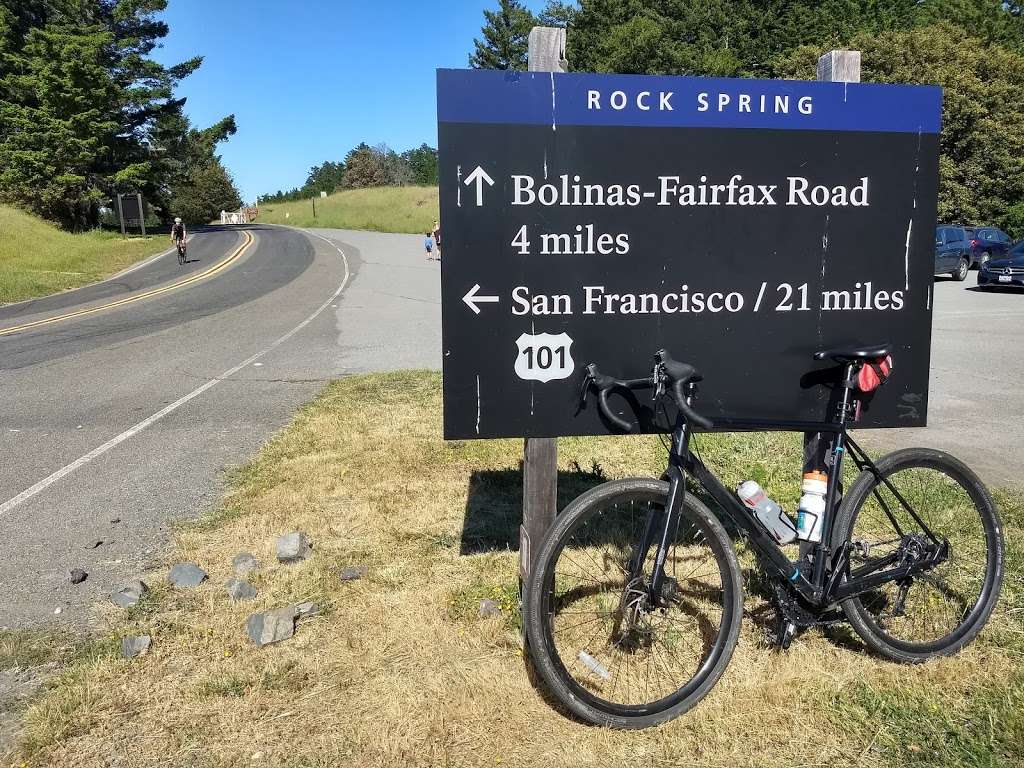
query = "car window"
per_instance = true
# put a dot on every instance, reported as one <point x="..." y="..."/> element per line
<point x="940" y="235"/>
<point x="1003" y="237"/>
<point x="956" y="235"/>
<point x="971" y="233"/>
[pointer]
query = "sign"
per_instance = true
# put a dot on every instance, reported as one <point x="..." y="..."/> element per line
<point x="741" y="224"/>
<point x="131" y="211"/>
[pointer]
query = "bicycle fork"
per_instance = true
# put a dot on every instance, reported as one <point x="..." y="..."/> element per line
<point x="661" y="528"/>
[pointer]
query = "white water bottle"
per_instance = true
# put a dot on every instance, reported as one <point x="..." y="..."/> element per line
<point x="767" y="512"/>
<point x="812" y="506"/>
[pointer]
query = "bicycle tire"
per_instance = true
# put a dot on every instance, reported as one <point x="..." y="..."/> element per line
<point x="538" y="597"/>
<point x="866" y="612"/>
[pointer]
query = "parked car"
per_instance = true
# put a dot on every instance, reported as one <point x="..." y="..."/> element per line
<point x="987" y="243"/>
<point x="1003" y="271"/>
<point x="952" y="251"/>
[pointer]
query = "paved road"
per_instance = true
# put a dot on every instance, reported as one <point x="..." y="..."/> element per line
<point x="132" y="413"/>
<point x="977" y="373"/>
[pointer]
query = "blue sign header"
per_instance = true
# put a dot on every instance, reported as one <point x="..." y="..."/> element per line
<point x="545" y="98"/>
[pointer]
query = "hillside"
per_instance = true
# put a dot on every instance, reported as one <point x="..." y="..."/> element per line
<point x="37" y="258"/>
<point x="382" y="209"/>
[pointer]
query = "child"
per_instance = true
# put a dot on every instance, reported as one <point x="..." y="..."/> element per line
<point x="428" y="243"/>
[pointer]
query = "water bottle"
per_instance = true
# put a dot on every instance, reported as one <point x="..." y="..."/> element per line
<point x="767" y="512"/>
<point x="812" y="506"/>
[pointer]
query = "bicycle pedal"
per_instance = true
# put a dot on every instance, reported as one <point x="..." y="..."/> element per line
<point x="786" y="634"/>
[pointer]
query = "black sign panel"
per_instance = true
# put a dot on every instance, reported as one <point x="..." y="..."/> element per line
<point x="741" y="224"/>
<point x="131" y="209"/>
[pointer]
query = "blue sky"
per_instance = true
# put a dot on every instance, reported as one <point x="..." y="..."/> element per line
<point x="309" y="79"/>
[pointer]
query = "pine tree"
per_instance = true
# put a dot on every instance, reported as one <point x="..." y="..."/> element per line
<point x="85" y="113"/>
<point x="506" y="34"/>
<point x="206" y="192"/>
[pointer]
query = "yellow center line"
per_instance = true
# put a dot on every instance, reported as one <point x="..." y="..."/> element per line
<point x="216" y="268"/>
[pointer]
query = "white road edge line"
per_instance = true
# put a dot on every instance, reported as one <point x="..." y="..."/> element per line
<point x="46" y="482"/>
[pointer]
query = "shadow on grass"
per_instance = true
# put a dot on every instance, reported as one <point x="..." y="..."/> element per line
<point x="494" y="505"/>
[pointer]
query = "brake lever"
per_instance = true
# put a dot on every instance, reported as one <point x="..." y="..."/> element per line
<point x="659" y="382"/>
<point x="585" y="388"/>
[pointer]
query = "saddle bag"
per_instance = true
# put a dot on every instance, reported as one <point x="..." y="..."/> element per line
<point x="874" y="373"/>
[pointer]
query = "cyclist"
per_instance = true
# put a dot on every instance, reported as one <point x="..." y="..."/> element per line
<point x="178" y="233"/>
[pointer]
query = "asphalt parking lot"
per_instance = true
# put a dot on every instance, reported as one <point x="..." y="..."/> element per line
<point x="976" y="399"/>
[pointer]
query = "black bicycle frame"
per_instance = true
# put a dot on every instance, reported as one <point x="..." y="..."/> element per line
<point x="823" y="586"/>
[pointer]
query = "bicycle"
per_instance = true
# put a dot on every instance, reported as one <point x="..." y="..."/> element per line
<point x="182" y="257"/>
<point x="633" y="606"/>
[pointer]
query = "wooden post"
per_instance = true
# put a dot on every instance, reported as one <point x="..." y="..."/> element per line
<point x="540" y="454"/>
<point x="142" y="213"/>
<point x="120" y="213"/>
<point x="840" y="67"/>
<point x="314" y="207"/>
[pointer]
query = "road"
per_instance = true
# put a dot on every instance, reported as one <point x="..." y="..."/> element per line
<point x="131" y="413"/>
<point x="976" y="391"/>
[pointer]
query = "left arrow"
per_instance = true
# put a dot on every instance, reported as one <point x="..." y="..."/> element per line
<point x="472" y="298"/>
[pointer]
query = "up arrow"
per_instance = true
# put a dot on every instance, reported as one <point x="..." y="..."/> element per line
<point x="479" y="176"/>
<point x="472" y="298"/>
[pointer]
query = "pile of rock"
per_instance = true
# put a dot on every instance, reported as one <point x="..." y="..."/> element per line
<point x="262" y="628"/>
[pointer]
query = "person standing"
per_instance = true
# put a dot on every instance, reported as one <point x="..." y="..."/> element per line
<point x="437" y="238"/>
<point x="428" y="245"/>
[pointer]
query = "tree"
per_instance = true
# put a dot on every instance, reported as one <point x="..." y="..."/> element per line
<point x="422" y="162"/>
<point x="506" y="35"/>
<point x="557" y="14"/>
<point x="981" y="166"/>
<point x="363" y="168"/>
<point x="206" y="192"/>
<point x="85" y="112"/>
<point x="324" y="178"/>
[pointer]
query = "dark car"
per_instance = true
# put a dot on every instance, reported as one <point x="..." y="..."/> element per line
<point x="952" y="251"/>
<point x="988" y="243"/>
<point x="1005" y="271"/>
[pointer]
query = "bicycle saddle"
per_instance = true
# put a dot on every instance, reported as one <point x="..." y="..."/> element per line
<point x="851" y="353"/>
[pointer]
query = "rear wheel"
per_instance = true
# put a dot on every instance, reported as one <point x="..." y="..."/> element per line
<point x="935" y="612"/>
<point x="606" y="652"/>
<point x="962" y="268"/>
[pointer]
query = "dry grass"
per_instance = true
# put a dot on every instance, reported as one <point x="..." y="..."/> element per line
<point x="399" y="671"/>
<point x="381" y="209"/>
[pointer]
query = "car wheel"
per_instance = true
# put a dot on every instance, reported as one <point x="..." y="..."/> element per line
<point x="962" y="269"/>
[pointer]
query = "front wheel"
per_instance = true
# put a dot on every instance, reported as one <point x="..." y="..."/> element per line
<point x="608" y="651"/>
<point x="962" y="268"/>
<point x="937" y="611"/>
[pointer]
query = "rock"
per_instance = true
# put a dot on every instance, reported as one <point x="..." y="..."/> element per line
<point x="302" y="610"/>
<point x="115" y="520"/>
<point x="135" y="645"/>
<point x="93" y="543"/>
<point x="293" y="547"/>
<point x="187" y="575"/>
<point x="245" y="563"/>
<point x="239" y="589"/>
<point x="271" y="626"/>
<point x="354" y="572"/>
<point x="129" y="594"/>
<point x="488" y="608"/>
<point x="58" y="611"/>
<point x="77" y="576"/>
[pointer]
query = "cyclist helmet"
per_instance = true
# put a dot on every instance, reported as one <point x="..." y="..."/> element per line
<point x="177" y="220"/>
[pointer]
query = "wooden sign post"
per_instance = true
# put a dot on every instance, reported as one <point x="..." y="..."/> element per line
<point x="540" y="454"/>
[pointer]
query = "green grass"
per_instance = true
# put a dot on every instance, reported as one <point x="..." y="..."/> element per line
<point x="381" y="209"/>
<point x="37" y="258"/>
